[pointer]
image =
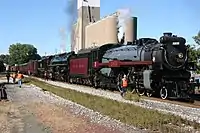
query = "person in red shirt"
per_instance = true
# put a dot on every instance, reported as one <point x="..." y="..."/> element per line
<point x="124" y="85"/>
<point x="20" y="77"/>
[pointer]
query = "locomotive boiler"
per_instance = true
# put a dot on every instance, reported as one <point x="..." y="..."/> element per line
<point x="152" y="67"/>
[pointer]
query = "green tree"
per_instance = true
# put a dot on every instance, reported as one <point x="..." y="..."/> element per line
<point x="4" y="58"/>
<point x="197" y="38"/>
<point x="194" y="53"/>
<point x="22" y="53"/>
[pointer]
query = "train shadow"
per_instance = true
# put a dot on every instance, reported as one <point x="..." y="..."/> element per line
<point x="26" y="81"/>
<point x="9" y="83"/>
<point x="196" y="97"/>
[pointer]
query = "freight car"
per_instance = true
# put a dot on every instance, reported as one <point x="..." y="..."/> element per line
<point x="27" y="68"/>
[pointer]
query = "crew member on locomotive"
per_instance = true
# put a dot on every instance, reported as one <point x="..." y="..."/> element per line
<point x="124" y="85"/>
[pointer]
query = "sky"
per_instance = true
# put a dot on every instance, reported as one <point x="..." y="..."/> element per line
<point x="38" y="22"/>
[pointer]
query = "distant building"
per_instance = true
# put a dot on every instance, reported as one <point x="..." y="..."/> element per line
<point x="101" y="32"/>
<point x="90" y="30"/>
<point x="88" y="12"/>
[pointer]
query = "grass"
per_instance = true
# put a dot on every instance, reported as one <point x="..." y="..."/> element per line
<point x="126" y="113"/>
<point x="132" y="97"/>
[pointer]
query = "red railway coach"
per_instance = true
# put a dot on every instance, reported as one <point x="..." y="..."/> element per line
<point x="14" y="68"/>
<point x="32" y="67"/>
<point x="23" y="68"/>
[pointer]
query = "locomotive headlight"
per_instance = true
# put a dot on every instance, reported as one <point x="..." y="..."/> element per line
<point x="180" y="55"/>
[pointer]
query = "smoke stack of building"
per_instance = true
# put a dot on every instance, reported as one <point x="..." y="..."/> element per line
<point x="130" y="30"/>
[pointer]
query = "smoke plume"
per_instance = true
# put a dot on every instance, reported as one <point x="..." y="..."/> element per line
<point x="123" y="16"/>
<point x="71" y="11"/>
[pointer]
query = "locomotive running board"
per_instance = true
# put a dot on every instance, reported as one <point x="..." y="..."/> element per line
<point x="118" y="63"/>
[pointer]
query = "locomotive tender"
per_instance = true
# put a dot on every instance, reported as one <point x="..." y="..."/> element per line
<point x="152" y="67"/>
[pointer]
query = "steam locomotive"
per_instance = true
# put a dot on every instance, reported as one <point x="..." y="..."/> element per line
<point x="160" y="68"/>
<point x="152" y="67"/>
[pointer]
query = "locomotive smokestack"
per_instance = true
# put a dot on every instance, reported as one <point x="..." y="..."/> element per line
<point x="169" y="34"/>
<point x="134" y="28"/>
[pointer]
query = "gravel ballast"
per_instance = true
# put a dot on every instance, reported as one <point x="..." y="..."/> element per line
<point x="30" y="93"/>
<point x="77" y="109"/>
<point x="188" y="113"/>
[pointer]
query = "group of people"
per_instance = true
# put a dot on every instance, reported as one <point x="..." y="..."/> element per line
<point x="17" y="75"/>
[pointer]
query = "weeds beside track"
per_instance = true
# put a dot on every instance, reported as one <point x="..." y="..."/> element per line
<point x="129" y="114"/>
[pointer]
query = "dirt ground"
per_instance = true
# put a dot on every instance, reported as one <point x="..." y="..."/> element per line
<point x="26" y="112"/>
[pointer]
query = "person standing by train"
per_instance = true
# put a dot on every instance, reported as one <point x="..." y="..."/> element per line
<point x="14" y="77"/>
<point x="46" y="75"/>
<point x="20" y="76"/>
<point x="124" y="85"/>
<point x="8" y="76"/>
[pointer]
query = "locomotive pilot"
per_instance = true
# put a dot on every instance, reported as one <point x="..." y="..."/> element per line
<point x="124" y="85"/>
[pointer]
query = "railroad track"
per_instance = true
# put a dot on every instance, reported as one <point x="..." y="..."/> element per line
<point x="196" y="103"/>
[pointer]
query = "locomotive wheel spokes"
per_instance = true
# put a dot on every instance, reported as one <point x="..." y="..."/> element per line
<point x="95" y="84"/>
<point x="71" y="81"/>
<point x="140" y="91"/>
<point x="119" y="88"/>
<point x="133" y="90"/>
<point x="94" y="81"/>
<point x="163" y="93"/>
<point x="149" y="93"/>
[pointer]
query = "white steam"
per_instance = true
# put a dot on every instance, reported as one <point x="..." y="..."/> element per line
<point x="123" y="16"/>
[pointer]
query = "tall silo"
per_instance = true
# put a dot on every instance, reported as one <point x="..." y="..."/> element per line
<point x="102" y="32"/>
<point x="130" y="30"/>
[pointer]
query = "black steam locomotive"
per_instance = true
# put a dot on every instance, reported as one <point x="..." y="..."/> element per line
<point x="160" y="68"/>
